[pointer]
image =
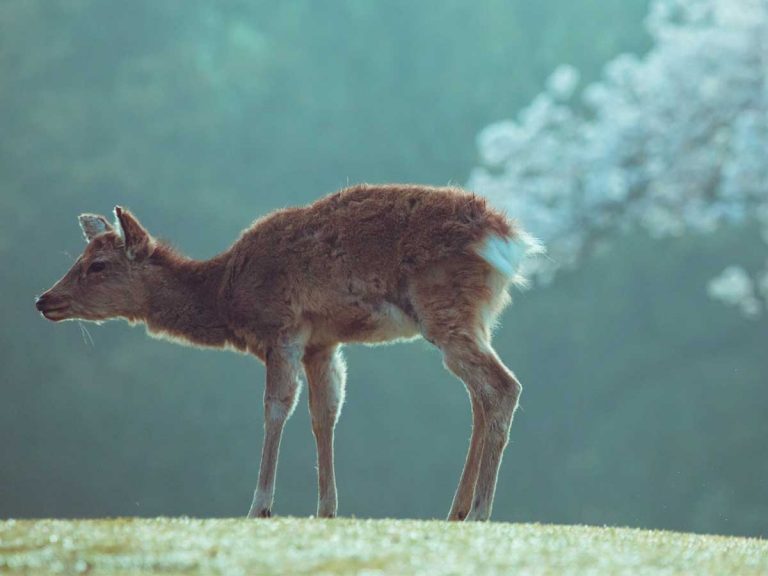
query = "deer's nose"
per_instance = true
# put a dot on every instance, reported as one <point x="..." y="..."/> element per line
<point x="40" y="302"/>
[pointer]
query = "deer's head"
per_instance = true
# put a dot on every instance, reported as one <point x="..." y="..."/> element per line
<point x="108" y="279"/>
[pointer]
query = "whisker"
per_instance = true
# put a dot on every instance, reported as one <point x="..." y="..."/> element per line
<point x="84" y="332"/>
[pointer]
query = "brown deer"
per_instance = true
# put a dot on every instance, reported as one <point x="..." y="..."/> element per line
<point x="366" y="264"/>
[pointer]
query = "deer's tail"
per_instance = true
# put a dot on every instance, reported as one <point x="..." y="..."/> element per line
<point x="508" y="254"/>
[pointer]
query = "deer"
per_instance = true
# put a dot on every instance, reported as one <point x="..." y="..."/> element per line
<point x="367" y="264"/>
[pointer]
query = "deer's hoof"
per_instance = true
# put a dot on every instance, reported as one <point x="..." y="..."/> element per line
<point x="478" y="515"/>
<point x="261" y="513"/>
<point x="458" y="515"/>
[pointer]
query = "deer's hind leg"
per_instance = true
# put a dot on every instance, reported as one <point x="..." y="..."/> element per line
<point x="462" y="499"/>
<point x="499" y="397"/>
<point x="456" y="305"/>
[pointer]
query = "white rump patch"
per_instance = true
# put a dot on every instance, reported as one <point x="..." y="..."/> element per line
<point x="507" y="255"/>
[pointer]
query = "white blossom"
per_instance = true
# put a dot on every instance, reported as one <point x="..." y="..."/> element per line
<point x="671" y="142"/>
<point x="563" y="81"/>
<point x="734" y="286"/>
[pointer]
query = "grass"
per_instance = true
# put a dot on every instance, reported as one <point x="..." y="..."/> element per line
<point x="370" y="547"/>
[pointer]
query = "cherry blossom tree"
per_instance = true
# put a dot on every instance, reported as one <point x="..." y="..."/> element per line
<point x="671" y="142"/>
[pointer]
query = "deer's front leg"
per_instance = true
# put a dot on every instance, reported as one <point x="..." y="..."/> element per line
<point x="280" y="395"/>
<point x="326" y="376"/>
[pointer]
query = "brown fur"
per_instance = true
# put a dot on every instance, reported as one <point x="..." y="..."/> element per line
<point x="365" y="264"/>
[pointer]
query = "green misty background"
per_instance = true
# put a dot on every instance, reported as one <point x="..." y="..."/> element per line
<point x="645" y="402"/>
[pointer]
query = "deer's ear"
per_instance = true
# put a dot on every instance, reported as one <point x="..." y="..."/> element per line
<point x="93" y="225"/>
<point x="138" y="242"/>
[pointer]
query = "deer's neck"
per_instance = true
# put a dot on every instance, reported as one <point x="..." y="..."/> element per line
<point x="182" y="299"/>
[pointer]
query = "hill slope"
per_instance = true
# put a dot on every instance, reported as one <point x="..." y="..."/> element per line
<point x="347" y="546"/>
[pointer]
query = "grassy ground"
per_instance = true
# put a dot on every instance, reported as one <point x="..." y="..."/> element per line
<point x="371" y="547"/>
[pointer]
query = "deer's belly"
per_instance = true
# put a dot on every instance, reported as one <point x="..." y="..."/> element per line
<point x="375" y="324"/>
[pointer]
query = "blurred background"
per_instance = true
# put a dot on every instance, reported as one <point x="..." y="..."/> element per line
<point x="632" y="136"/>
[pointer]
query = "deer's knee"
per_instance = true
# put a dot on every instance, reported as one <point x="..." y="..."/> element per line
<point x="324" y="417"/>
<point x="279" y="407"/>
<point x="277" y="411"/>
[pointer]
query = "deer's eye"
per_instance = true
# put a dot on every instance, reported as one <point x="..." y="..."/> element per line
<point x="96" y="267"/>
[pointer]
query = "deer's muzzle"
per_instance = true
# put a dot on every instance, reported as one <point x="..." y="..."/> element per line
<point x="52" y="307"/>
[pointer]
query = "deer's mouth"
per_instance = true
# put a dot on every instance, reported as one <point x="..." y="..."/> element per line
<point x="57" y="313"/>
<point x="53" y="307"/>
